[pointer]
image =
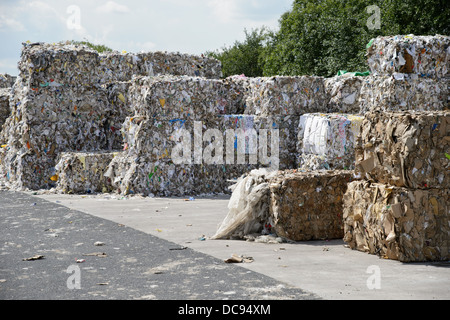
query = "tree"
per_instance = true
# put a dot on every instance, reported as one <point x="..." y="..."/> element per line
<point x="321" y="37"/>
<point x="243" y="57"/>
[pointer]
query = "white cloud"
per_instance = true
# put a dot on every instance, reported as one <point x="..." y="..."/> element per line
<point x="10" y="24"/>
<point x="113" y="7"/>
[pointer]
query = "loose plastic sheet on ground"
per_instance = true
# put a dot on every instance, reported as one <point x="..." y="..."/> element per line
<point x="406" y="149"/>
<point x="409" y="225"/>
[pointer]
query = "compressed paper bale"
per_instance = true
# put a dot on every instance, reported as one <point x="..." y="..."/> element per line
<point x="6" y="81"/>
<point x="119" y="109"/>
<point x="286" y="96"/>
<point x="175" y="63"/>
<point x="409" y="225"/>
<point x="343" y="93"/>
<point x="427" y="56"/>
<point x="81" y="172"/>
<point x="308" y="205"/>
<point x="65" y="64"/>
<point x="403" y="93"/>
<point x="182" y="97"/>
<point x="405" y="149"/>
<point x="327" y="141"/>
<point x="157" y="168"/>
<point x="276" y="132"/>
<point x="5" y="110"/>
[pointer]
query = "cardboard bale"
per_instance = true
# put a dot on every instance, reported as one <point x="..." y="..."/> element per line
<point x="343" y="93"/>
<point x="403" y="93"/>
<point x="327" y="141"/>
<point x="427" y="56"/>
<point x="308" y="205"/>
<point x="83" y="172"/>
<point x="405" y="149"/>
<point x="182" y="97"/>
<point x="409" y="225"/>
<point x="282" y="96"/>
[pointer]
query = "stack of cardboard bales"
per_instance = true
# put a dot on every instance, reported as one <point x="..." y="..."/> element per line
<point x="400" y="209"/>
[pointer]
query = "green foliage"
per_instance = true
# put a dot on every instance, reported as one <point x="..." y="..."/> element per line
<point x="321" y="37"/>
<point x="98" y="47"/>
<point x="243" y="57"/>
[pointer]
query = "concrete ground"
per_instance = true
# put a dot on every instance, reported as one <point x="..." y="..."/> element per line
<point x="325" y="268"/>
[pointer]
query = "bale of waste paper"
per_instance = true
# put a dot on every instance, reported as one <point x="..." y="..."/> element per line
<point x="308" y="205"/>
<point x="283" y="95"/>
<point x="182" y="97"/>
<point x="427" y="56"/>
<point x="83" y="172"/>
<point x="409" y="225"/>
<point x="403" y="93"/>
<point x="405" y="149"/>
<point x="327" y="141"/>
<point x="5" y="110"/>
<point x="343" y="93"/>
<point x="6" y="81"/>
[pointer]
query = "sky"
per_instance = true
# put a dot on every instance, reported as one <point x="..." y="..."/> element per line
<point x="186" y="26"/>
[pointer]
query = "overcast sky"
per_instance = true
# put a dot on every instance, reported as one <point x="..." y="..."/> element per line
<point x="186" y="26"/>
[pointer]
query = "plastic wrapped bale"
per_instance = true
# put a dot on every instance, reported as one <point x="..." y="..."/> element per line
<point x="175" y="63"/>
<point x="81" y="172"/>
<point x="343" y="92"/>
<point x="327" y="141"/>
<point x="308" y="205"/>
<point x="248" y="208"/>
<point x="281" y="96"/>
<point x="405" y="149"/>
<point x="409" y="225"/>
<point x="403" y="93"/>
<point x="182" y="97"/>
<point x="427" y="56"/>
<point x="4" y="106"/>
